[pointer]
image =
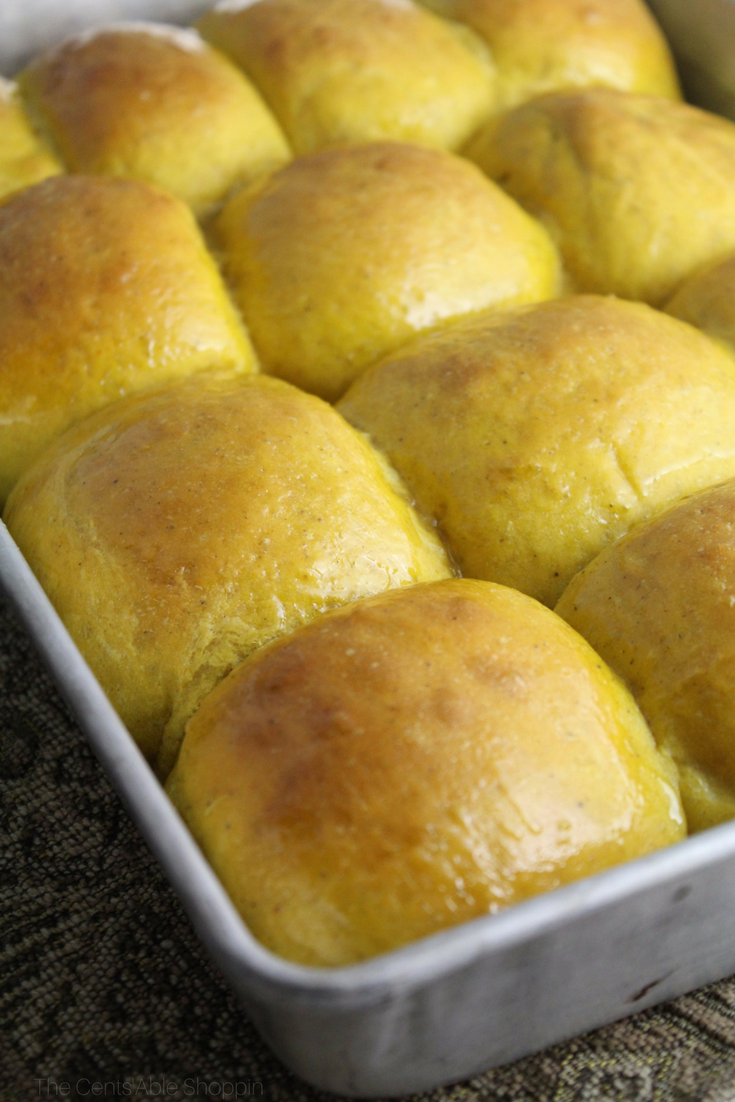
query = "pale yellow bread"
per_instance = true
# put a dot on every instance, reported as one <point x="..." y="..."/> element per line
<point x="414" y="761"/>
<point x="177" y="530"/>
<point x="24" y="160"/>
<point x="637" y="191"/>
<point x="336" y="71"/>
<point x="541" y="46"/>
<point x="535" y="437"/>
<point x="106" y="287"/>
<point x="659" y="606"/>
<point x="155" y="103"/>
<point x="344" y="255"/>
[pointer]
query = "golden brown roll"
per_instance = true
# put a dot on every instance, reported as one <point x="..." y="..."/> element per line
<point x="344" y="255"/>
<point x="105" y="287"/>
<point x="537" y="436"/>
<point x="337" y="71"/>
<point x="659" y="606"/>
<point x="413" y="761"/>
<point x="156" y="103"/>
<point x="177" y="530"/>
<point x="541" y="46"/>
<point x="637" y="191"/>
<point x="23" y="158"/>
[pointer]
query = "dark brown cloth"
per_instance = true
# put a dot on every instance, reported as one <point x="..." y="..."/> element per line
<point x="106" y="992"/>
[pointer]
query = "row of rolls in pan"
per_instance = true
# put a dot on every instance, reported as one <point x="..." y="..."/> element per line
<point x="330" y="626"/>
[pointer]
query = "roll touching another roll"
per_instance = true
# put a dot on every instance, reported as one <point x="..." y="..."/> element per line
<point x="541" y="46"/>
<point x="24" y="160"/>
<point x="659" y="606"/>
<point x="535" y="437"/>
<point x="178" y="530"/>
<point x="637" y="191"/>
<point x="106" y="287"/>
<point x="344" y="255"/>
<point x="413" y="761"/>
<point x="336" y="71"/>
<point x="155" y="103"/>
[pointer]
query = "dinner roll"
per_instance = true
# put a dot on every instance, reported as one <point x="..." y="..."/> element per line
<point x="177" y="530"/>
<point x="537" y="436"/>
<point x="23" y="159"/>
<point x="659" y="606"/>
<point x="105" y="287"/>
<point x="156" y="103"/>
<point x="542" y="46"/>
<point x="344" y="255"/>
<point x="413" y="761"/>
<point x="337" y="71"/>
<point x="638" y="191"/>
<point x="707" y="299"/>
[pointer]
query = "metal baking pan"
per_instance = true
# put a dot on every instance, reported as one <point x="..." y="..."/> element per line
<point x="449" y="1006"/>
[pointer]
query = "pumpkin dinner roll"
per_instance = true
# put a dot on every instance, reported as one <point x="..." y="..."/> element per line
<point x="156" y="103"/>
<point x="106" y="287"/>
<point x="336" y="71"/>
<point x="537" y="436"/>
<point x="413" y="761"/>
<point x="659" y="606"/>
<point x="343" y="256"/>
<point x="23" y="158"/>
<point x="541" y="46"/>
<point x="637" y="191"/>
<point x="707" y="300"/>
<point x="177" y="530"/>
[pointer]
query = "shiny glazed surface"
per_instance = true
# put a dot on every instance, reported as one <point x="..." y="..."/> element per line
<point x="156" y="104"/>
<point x="659" y="606"/>
<point x="413" y="761"/>
<point x="178" y="530"/>
<point x="106" y="287"/>
<point x="344" y="255"/>
<point x="537" y="436"/>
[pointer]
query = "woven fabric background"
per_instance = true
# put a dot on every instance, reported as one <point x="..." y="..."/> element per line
<point x="102" y="980"/>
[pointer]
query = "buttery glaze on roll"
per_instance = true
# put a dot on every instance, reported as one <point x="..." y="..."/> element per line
<point x="537" y="436"/>
<point x="637" y="191"/>
<point x="106" y="287"/>
<point x="541" y="46"/>
<point x="156" y="103"/>
<point x="336" y="71"/>
<point x="344" y="255"/>
<point x="414" y="761"/>
<point x="659" y="606"/>
<point x="23" y="158"/>
<point x="179" y="529"/>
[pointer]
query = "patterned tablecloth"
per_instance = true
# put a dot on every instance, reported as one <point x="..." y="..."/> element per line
<point x="106" y="992"/>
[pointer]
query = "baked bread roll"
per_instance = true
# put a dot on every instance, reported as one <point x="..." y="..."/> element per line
<point x="156" y="103"/>
<point x="413" y="761"/>
<point x="344" y="255"/>
<point x="707" y="300"/>
<point x="659" y="606"/>
<point x="541" y="46"/>
<point x="23" y="159"/>
<point x="537" y="436"/>
<point x="106" y="287"/>
<point x="637" y="191"/>
<point x="177" y="530"/>
<point x="336" y="71"/>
